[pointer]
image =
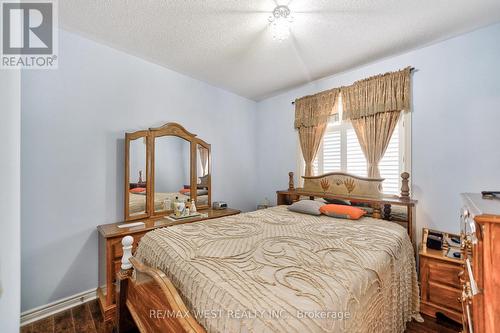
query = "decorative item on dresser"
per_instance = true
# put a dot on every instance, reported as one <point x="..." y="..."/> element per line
<point x="357" y="190"/>
<point x="177" y="165"/>
<point x="439" y="279"/>
<point x="480" y="232"/>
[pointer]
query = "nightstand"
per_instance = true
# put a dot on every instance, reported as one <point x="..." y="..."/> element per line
<point x="440" y="284"/>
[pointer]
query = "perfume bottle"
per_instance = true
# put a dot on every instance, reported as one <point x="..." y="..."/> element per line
<point x="167" y="204"/>
<point x="182" y="208"/>
<point x="187" y="209"/>
<point x="177" y="207"/>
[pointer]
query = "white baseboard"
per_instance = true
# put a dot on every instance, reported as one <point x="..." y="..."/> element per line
<point x="47" y="310"/>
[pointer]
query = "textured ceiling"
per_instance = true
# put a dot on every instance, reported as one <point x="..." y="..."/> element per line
<point x="228" y="43"/>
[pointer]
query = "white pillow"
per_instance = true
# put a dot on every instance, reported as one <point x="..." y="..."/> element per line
<point x="310" y="207"/>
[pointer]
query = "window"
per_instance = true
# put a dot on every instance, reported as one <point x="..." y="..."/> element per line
<point x="340" y="151"/>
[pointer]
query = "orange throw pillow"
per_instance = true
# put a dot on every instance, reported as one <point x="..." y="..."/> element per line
<point x="342" y="211"/>
<point x="185" y="190"/>
<point x="138" y="190"/>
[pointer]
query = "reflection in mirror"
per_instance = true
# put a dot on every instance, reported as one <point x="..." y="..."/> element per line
<point x="202" y="174"/>
<point x="137" y="176"/>
<point x="172" y="175"/>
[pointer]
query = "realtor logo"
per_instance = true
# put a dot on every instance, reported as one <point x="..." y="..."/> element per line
<point x="29" y="34"/>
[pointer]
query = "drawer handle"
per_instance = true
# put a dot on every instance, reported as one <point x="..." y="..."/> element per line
<point x="466" y="293"/>
<point x="472" y="284"/>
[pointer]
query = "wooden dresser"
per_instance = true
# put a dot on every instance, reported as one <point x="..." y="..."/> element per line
<point x="110" y="250"/>
<point x="440" y="283"/>
<point x="480" y="226"/>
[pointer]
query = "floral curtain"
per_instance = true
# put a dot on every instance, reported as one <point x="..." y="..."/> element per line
<point x="374" y="134"/>
<point x="203" y="159"/>
<point x="311" y="117"/>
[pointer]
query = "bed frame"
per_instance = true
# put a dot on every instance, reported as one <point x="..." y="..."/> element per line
<point x="146" y="296"/>
<point x="368" y="191"/>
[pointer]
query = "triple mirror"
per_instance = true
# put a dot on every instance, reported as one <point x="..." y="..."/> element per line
<point x="162" y="165"/>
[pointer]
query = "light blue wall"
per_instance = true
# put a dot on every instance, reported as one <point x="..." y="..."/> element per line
<point x="73" y="125"/>
<point x="455" y="122"/>
<point x="10" y="199"/>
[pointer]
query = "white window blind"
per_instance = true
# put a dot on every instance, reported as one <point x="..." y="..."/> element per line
<point x="389" y="166"/>
<point x="331" y="152"/>
<point x="356" y="162"/>
<point x="340" y="151"/>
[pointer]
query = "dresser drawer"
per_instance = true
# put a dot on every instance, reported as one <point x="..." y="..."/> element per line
<point x="117" y="247"/>
<point x="443" y="273"/>
<point x="445" y="297"/>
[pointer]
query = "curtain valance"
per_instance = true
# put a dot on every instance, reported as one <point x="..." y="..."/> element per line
<point x="315" y="109"/>
<point x="381" y="93"/>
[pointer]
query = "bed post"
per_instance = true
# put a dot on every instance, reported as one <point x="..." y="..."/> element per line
<point x="405" y="188"/>
<point x="123" y="320"/>
<point x="410" y="209"/>
<point x="127" y="242"/>
<point x="291" y="186"/>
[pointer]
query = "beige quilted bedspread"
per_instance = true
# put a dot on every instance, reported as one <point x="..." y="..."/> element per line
<point x="277" y="271"/>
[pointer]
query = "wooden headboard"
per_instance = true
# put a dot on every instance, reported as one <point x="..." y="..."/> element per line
<point x="346" y="185"/>
<point x="340" y="183"/>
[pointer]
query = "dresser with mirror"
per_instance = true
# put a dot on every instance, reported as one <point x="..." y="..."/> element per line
<point x="162" y="165"/>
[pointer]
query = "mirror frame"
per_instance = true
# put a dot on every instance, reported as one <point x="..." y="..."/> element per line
<point x="129" y="137"/>
<point x="195" y="171"/>
<point x="169" y="129"/>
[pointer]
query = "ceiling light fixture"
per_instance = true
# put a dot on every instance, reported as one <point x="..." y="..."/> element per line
<point x="280" y="22"/>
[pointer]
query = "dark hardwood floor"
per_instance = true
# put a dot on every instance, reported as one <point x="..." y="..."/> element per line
<point x="87" y="318"/>
<point x="432" y="325"/>
<point x="83" y="318"/>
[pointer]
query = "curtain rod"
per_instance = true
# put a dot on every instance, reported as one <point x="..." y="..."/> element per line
<point x="411" y="70"/>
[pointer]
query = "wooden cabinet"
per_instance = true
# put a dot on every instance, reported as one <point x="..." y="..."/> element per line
<point x="481" y="279"/>
<point x="110" y="250"/>
<point x="440" y="284"/>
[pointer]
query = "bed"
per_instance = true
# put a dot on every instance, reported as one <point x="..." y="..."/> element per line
<point x="294" y="264"/>
<point x="271" y="270"/>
